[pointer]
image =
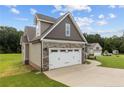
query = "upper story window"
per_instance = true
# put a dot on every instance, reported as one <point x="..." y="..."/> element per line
<point x="38" y="28"/>
<point x="67" y="29"/>
<point x="97" y="48"/>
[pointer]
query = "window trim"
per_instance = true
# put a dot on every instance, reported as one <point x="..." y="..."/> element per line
<point x="38" y="28"/>
<point x="67" y="29"/>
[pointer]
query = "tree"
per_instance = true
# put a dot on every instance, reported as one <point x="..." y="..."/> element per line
<point x="121" y="48"/>
<point x="107" y="43"/>
<point x="9" y="40"/>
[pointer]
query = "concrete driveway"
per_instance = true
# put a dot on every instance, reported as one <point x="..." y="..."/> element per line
<point x="88" y="75"/>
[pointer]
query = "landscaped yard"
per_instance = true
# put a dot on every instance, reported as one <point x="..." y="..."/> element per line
<point x="112" y="61"/>
<point x="14" y="73"/>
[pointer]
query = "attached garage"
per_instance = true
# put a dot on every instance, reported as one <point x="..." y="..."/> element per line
<point x="54" y="43"/>
<point x="97" y="53"/>
<point x="62" y="57"/>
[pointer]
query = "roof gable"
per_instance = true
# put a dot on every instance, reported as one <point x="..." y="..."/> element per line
<point x="94" y="45"/>
<point x="59" y="21"/>
<point x="97" y="45"/>
<point x="44" y="18"/>
<point x="59" y="31"/>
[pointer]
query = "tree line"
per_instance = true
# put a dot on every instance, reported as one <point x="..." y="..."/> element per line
<point x="10" y="41"/>
<point x="107" y="43"/>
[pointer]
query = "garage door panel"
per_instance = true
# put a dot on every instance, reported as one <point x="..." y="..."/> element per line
<point x="64" y="57"/>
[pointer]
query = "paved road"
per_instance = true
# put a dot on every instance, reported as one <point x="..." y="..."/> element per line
<point x="88" y="75"/>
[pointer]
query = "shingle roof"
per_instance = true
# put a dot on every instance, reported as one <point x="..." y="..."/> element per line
<point x="31" y="33"/>
<point x="39" y="37"/>
<point x="23" y="39"/>
<point x="92" y="44"/>
<point x="44" y="17"/>
<point x="28" y="35"/>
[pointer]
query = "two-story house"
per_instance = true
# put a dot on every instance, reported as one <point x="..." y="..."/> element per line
<point x="53" y="43"/>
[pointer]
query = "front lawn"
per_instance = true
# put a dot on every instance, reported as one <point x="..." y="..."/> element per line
<point x="112" y="61"/>
<point x="11" y="64"/>
<point x="14" y="74"/>
<point x="30" y="79"/>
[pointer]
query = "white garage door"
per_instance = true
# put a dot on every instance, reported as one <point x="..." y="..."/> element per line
<point x="97" y="53"/>
<point x="61" y="57"/>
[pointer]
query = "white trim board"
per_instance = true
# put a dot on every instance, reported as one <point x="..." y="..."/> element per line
<point x="45" y="21"/>
<point x="63" y="41"/>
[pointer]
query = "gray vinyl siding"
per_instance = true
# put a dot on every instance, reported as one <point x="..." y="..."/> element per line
<point x="59" y="32"/>
<point x="44" y="26"/>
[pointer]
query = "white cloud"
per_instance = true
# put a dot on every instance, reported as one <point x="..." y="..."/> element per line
<point x="112" y="6"/>
<point x="15" y="11"/>
<point x="102" y="22"/>
<point x="121" y="6"/>
<point x="71" y="8"/>
<point x="22" y="19"/>
<point x="10" y="6"/>
<point x="78" y="8"/>
<point x="111" y="15"/>
<point x="91" y="15"/>
<point x="101" y="16"/>
<point x="85" y="24"/>
<point x="33" y="11"/>
<point x="62" y="13"/>
<point x="88" y="30"/>
<point x="85" y="21"/>
<point x="110" y="33"/>
<point x="58" y="7"/>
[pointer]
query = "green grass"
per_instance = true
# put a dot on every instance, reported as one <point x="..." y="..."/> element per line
<point x="112" y="61"/>
<point x="11" y="64"/>
<point x="29" y="80"/>
<point x="14" y="74"/>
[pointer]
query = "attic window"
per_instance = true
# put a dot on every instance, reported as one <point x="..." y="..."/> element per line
<point x="38" y="28"/>
<point x="97" y="48"/>
<point x="67" y="29"/>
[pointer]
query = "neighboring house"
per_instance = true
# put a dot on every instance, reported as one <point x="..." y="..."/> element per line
<point x="115" y="52"/>
<point x="54" y="43"/>
<point x="94" y="48"/>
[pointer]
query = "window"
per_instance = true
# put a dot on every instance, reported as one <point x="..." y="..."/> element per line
<point x="69" y="50"/>
<point x="67" y="29"/>
<point x="38" y="26"/>
<point x="97" y="48"/>
<point x="54" y="50"/>
<point x="62" y="51"/>
<point x="76" y="50"/>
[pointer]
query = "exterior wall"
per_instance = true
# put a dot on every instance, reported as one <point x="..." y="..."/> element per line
<point x="25" y="53"/>
<point x="94" y="50"/>
<point x="47" y="45"/>
<point x="44" y="26"/>
<point x="58" y="32"/>
<point x="35" y="55"/>
<point x="97" y="53"/>
<point x="97" y="45"/>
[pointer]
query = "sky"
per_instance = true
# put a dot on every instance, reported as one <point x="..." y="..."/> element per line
<point x="106" y="20"/>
